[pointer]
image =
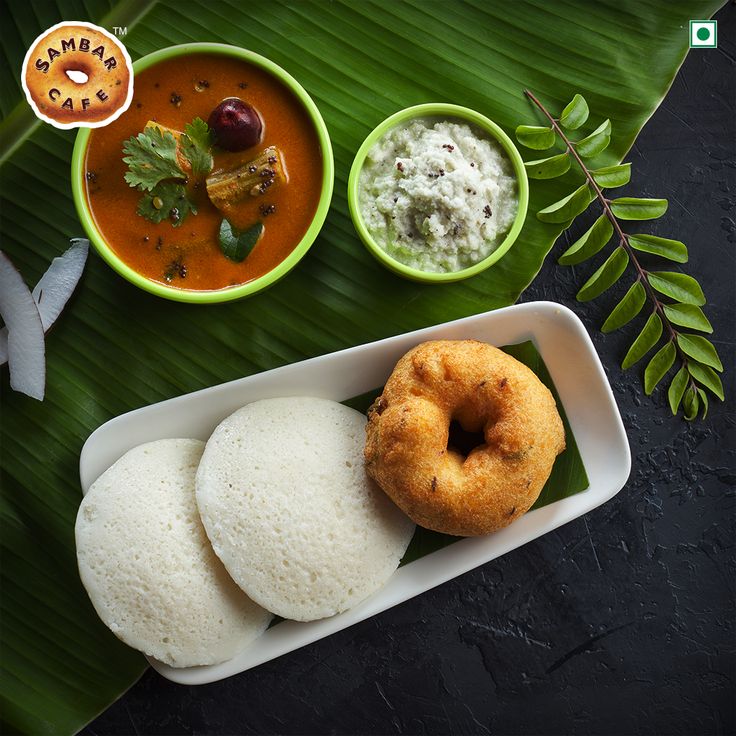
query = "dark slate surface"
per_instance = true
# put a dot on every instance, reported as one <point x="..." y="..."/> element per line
<point x="619" y="622"/>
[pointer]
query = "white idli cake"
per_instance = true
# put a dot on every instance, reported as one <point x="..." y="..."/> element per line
<point x="291" y="512"/>
<point x="147" y="564"/>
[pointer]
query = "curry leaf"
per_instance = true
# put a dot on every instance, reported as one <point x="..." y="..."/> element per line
<point x="548" y="168"/>
<point x="696" y="346"/>
<point x="638" y="208"/>
<point x="568" y="207"/>
<point x="658" y="366"/>
<point x="677" y="286"/>
<point x="596" y="142"/>
<point x="237" y="244"/>
<point x="647" y="339"/>
<point x="681" y="288"/>
<point x="704" y="400"/>
<point x="589" y="243"/>
<point x="690" y="403"/>
<point x="151" y="158"/>
<point x="535" y="136"/>
<point x="688" y="315"/>
<point x="707" y="376"/>
<point x="575" y="113"/>
<point x="677" y="389"/>
<point x="607" y="275"/>
<point x="627" y="308"/>
<point x="196" y="145"/>
<point x="673" y="250"/>
<point x="612" y="176"/>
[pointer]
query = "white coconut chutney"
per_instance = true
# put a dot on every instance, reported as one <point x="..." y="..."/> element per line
<point x="438" y="196"/>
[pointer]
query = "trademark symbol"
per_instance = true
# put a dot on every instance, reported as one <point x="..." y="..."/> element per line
<point x="120" y="30"/>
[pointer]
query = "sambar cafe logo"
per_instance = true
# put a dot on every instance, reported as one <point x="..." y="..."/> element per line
<point x="703" y="34"/>
<point x="77" y="75"/>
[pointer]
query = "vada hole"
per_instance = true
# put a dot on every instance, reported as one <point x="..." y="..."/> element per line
<point x="77" y="76"/>
<point x="462" y="441"/>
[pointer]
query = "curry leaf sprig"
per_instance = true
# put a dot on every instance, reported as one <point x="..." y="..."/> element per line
<point x="160" y="164"/>
<point x="696" y="356"/>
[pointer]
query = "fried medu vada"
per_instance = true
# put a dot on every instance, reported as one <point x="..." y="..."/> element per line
<point x="485" y="391"/>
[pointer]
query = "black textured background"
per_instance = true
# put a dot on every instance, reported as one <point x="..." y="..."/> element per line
<point x="621" y="622"/>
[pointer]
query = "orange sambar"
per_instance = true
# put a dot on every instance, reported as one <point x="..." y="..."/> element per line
<point x="173" y="93"/>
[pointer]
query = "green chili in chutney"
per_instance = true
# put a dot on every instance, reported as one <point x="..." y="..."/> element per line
<point x="183" y="249"/>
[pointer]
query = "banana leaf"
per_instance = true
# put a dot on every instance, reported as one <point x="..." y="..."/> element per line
<point x="118" y="348"/>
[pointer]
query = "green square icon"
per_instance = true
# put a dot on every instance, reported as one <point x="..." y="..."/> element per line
<point x="703" y="34"/>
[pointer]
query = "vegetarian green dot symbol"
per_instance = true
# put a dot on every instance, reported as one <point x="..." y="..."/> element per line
<point x="703" y="33"/>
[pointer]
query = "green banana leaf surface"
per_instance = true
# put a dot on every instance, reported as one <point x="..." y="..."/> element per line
<point x="117" y="348"/>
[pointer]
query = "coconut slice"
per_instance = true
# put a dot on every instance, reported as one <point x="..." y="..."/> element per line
<point x="58" y="283"/>
<point x="26" y="348"/>
<point x="54" y="288"/>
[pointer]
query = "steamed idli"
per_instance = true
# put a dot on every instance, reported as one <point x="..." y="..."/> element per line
<point x="291" y="512"/>
<point x="147" y="564"/>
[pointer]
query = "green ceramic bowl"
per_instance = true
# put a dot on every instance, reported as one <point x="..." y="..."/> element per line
<point x="233" y="292"/>
<point x="443" y="111"/>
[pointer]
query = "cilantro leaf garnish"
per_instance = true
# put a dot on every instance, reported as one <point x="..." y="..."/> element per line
<point x="237" y="244"/>
<point x="167" y="200"/>
<point x="196" y="145"/>
<point x="159" y="164"/>
<point x="151" y="158"/>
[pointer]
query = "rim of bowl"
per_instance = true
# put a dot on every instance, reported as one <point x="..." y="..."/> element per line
<point x="438" y="109"/>
<point x="281" y="269"/>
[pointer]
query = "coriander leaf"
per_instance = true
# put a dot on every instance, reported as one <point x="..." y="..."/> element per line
<point x="168" y="200"/>
<point x="237" y="245"/>
<point x="196" y="145"/>
<point x="151" y="158"/>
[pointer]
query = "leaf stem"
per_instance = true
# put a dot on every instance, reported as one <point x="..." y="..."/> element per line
<point x="642" y="273"/>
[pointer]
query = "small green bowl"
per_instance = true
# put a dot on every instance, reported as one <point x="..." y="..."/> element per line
<point x="438" y="110"/>
<point x="233" y="292"/>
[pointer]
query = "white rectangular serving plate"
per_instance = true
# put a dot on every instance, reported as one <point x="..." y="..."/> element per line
<point x="581" y="384"/>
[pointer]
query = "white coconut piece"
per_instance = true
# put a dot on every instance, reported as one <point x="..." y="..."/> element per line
<point x="148" y="567"/>
<point x="25" y="338"/>
<point x="291" y="512"/>
<point x="54" y="288"/>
